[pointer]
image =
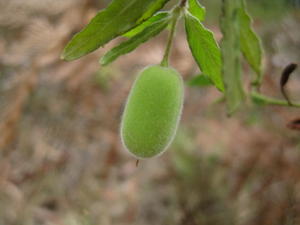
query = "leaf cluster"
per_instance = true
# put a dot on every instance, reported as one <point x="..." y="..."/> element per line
<point x="140" y="20"/>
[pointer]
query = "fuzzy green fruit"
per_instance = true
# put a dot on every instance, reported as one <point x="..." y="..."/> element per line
<point x="152" y="112"/>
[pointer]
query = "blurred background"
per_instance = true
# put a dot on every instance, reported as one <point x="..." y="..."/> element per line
<point x="61" y="159"/>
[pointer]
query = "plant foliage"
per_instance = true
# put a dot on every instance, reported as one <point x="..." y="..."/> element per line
<point x="119" y="17"/>
<point x="140" y="20"/>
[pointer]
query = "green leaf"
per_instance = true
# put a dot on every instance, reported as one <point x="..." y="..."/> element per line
<point x="231" y="55"/>
<point x="135" y="41"/>
<point x="150" y="21"/>
<point x="205" y="49"/>
<point x="250" y="42"/>
<point x="200" y="81"/>
<point x="119" y="17"/>
<point x="196" y="9"/>
<point x="156" y="5"/>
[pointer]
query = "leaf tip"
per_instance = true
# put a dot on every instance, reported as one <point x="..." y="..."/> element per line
<point x="102" y="61"/>
<point x="62" y="57"/>
<point x="221" y="88"/>
<point x="65" y="56"/>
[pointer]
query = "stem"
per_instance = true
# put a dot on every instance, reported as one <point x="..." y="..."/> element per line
<point x="265" y="100"/>
<point x="176" y="14"/>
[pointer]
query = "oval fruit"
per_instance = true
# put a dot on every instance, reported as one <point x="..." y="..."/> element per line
<point x="152" y="111"/>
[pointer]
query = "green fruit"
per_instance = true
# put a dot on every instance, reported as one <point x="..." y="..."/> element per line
<point x="152" y="112"/>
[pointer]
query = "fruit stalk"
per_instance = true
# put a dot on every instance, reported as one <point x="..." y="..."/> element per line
<point x="176" y="15"/>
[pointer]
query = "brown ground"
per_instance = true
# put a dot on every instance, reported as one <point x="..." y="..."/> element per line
<point x="61" y="160"/>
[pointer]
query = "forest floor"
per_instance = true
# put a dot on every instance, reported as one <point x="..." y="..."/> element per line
<point x="61" y="158"/>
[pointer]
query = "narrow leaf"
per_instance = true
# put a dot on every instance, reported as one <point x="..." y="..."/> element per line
<point x="250" y="42"/>
<point x="154" y="7"/>
<point x="119" y="17"/>
<point x="286" y="73"/>
<point x="205" y="49"/>
<point x="135" y="41"/>
<point x="230" y="46"/>
<point x="200" y="81"/>
<point x="196" y="9"/>
<point x="285" y="76"/>
<point x="150" y="21"/>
